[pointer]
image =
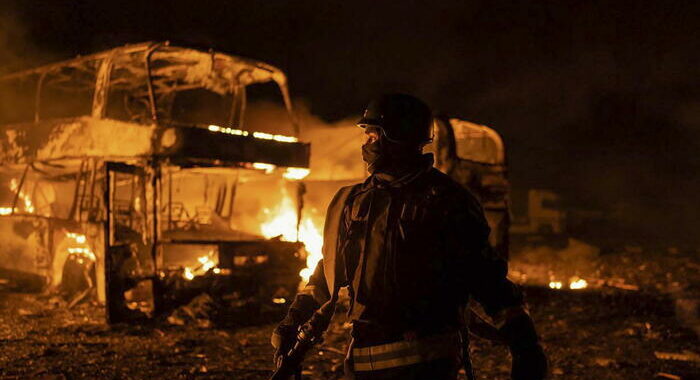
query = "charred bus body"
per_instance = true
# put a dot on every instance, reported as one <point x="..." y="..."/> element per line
<point x="126" y="173"/>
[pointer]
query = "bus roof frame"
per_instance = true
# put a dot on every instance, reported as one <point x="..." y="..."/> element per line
<point x="143" y="140"/>
<point x="259" y="72"/>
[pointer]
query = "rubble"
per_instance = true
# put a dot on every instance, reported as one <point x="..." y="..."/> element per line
<point x="198" y="312"/>
<point x="652" y="275"/>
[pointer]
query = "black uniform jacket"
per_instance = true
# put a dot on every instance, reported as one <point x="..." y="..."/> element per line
<point x="412" y="252"/>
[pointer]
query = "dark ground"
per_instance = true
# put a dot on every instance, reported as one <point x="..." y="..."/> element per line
<point x="595" y="334"/>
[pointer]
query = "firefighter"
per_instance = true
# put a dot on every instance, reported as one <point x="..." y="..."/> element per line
<point x="411" y="246"/>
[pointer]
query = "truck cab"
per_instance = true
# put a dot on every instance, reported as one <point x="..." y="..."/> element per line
<point x="474" y="155"/>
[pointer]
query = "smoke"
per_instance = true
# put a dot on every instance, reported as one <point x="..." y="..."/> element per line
<point x="617" y="140"/>
<point x="336" y="158"/>
<point x="335" y="146"/>
<point x="21" y="242"/>
<point x="17" y="50"/>
<point x="10" y="32"/>
<point x="272" y="117"/>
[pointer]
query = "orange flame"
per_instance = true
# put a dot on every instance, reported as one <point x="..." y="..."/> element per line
<point x="24" y="198"/>
<point x="205" y="263"/>
<point x="577" y="283"/>
<point x="283" y="222"/>
<point x="555" y="284"/>
<point x="79" y="246"/>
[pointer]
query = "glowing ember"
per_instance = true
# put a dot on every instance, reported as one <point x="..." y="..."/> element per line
<point x="79" y="246"/>
<point x="206" y="263"/>
<point x="268" y="168"/>
<point x="85" y="252"/>
<point x="5" y="210"/>
<point x="188" y="274"/>
<point x="283" y="223"/>
<point x="257" y="135"/>
<point x="293" y="174"/>
<point x="230" y="131"/>
<point x="269" y="136"/>
<point x="79" y="238"/>
<point x="555" y="284"/>
<point x="577" y="283"/>
<point x="296" y="173"/>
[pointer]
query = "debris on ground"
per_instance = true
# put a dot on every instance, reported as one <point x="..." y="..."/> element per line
<point x="593" y="333"/>
<point x="197" y="312"/>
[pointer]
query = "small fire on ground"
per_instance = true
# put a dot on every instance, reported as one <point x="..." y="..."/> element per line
<point x="574" y="284"/>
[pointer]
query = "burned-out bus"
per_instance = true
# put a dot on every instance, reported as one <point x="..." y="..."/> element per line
<point x="131" y="176"/>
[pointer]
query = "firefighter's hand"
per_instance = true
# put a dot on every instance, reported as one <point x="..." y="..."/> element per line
<point x="285" y="335"/>
<point x="529" y="360"/>
<point x="283" y="339"/>
<point x="529" y="363"/>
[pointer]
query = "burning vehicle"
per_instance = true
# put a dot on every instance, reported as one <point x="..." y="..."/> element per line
<point x="129" y="176"/>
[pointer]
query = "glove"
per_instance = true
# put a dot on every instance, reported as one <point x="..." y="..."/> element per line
<point x="529" y="363"/>
<point x="285" y="334"/>
<point x="529" y="360"/>
<point x="283" y="339"/>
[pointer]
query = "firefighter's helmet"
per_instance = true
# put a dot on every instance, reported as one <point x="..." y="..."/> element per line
<point x="402" y="118"/>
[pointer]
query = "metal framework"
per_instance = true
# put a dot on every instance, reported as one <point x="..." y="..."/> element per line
<point x="119" y="122"/>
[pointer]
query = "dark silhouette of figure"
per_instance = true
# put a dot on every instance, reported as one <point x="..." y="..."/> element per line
<point x="411" y="245"/>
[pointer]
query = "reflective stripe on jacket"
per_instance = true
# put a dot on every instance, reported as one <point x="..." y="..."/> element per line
<point x="403" y="353"/>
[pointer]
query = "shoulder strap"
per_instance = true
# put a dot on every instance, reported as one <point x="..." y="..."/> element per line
<point x="333" y="264"/>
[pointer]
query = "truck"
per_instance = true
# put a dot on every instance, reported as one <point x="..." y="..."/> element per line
<point x="474" y="155"/>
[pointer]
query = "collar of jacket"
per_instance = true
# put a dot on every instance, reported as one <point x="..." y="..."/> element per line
<point x="383" y="180"/>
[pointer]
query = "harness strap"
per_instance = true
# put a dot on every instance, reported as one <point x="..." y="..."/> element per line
<point x="334" y="264"/>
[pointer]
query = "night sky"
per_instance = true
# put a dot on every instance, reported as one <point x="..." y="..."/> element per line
<point x="598" y="100"/>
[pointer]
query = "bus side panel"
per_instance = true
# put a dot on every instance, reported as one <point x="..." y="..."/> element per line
<point x="25" y="249"/>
